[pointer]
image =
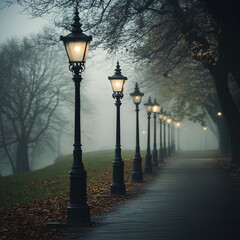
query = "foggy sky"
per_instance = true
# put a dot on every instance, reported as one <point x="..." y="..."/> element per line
<point x="100" y="124"/>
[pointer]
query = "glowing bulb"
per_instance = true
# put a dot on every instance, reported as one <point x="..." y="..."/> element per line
<point x="143" y="132"/>
<point x="219" y="114"/>
<point x="205" y="129"/>
<point x="77" y="48"/>
<point x="117" y="84"/>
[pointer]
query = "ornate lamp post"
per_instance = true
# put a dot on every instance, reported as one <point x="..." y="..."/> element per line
<point x="161" y="153"/>
<point x="148" y="157"/>
<point x="169" y="120"/>
<point x="155" y="109"/>
<point x="76" y="44"/>
<point x="118" y="82"/>
<point x="173" y="138"/>
<point x="164" y="134"/>
<point x="137" y="175"/>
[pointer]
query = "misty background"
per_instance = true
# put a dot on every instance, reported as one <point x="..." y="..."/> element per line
<point x="98" y="121"/>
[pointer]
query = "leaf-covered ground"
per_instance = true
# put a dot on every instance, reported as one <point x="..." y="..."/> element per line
<point x="27" y="221"/>
<point x="229" y="167"/>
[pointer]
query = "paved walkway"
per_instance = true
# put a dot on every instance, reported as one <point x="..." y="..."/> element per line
<point x="188" y="200"/>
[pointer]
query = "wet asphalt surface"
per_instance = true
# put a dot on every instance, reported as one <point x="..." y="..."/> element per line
<point x="187" y="200"/>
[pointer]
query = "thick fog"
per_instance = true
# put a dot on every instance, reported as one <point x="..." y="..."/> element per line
<point x="98" y="123"/>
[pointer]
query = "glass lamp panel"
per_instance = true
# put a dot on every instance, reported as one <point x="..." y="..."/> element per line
<point x="155" y="108"/>
<point x="161" y="116"/>
<point x="124" y="81"/>
<point x="117" y="85"/>
<point x="148" y="108"/>
<point x="164" y="118"/>
<point x="169" y="120"/>
<point x="137" y="99"/>
<point x="77" y="50"/>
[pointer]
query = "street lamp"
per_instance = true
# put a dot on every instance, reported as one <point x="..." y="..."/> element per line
<point x="173" y="137"/>
<point x="155" y="110"/>
<point x="169" y="120"/>
<point x="76" y="44"/>
<point x="118" y="82"/>
<point x="148" y="157"/>
<point x="161" y="154"/>
<point x="164" y="134"/>
<point x="219" y="114"/>
<point x="137" y="175"/>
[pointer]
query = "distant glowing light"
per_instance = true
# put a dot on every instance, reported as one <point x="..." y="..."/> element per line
<point x="219" y="114"/>
<point x="143" y="132"/>
<point x="205" y="129"/>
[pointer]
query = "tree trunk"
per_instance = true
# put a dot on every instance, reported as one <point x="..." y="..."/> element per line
<point x="222" y="130"/>
<point x="224" y="140"/>
<point x="22" y="161"/>
<point x="229" y="109"/>
<point x="219" y="72"/>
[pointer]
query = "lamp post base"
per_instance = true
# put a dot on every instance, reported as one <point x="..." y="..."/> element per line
<point x="155" y="159"/>
<point x="148" y="166"/>
<point x="165" y="152"/>
<point x="77" y="214"/>
<point x="169" y="152"/>
<point x="137" y="175"/>
<point x="161" y="158"/>
<point x="118" y="189"/>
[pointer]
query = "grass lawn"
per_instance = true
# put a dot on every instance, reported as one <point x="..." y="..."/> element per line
<point x="52" y="180"/>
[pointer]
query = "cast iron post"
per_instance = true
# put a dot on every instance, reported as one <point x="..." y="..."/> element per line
<point x="161" y="156"/>
<point x="148" y="157"/>
<point x="118" y="185"/>
<point x="164" y="139"/>
<point x="78" y="210"/>
<point x="137" y="175"/>
<point x="169" y="141"/>
<point x="155" y="157"/>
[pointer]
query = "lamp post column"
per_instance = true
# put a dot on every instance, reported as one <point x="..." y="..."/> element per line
<point x="155" y="157"/>
<point x="77" y="44"/>
<point x="161" y="157"/>
<point x="164" y="139"/>
<point x="173" y="139"/>
<point x="78" y="211"/>
<point x="169" y="144"/>
<point x="148" y="157"/>
<point x="137" y="175"/>
<point x="178" y="139"/>
<point x="118" y="187"/>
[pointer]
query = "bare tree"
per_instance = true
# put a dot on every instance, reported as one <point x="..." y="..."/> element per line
<point x="29" y="96"/>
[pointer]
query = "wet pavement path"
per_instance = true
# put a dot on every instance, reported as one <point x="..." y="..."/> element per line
<point x="187" y="200"/>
